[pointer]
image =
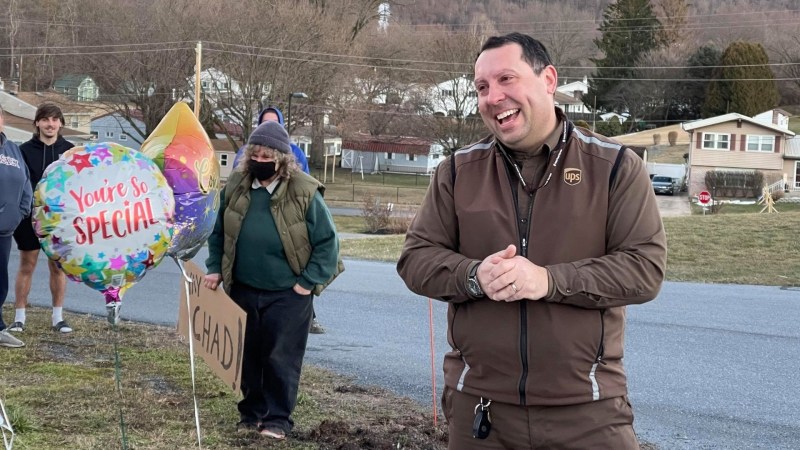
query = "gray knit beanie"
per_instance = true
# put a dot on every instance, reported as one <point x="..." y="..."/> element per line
<point x="272" y="135"/>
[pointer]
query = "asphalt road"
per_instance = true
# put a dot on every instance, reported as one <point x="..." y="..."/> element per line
<point x="710" y="366"/>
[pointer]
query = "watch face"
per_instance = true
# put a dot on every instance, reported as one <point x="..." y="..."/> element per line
<point x="474" y="287"/>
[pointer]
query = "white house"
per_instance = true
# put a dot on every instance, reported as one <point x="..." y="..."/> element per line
<point x="453" y="98"/>
<point x="576" y="90"/>
<point x="372" y="154"/>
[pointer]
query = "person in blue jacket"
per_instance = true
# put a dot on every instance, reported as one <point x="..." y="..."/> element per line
<point x="16" y="196"/>
<point x="274" y="114"/>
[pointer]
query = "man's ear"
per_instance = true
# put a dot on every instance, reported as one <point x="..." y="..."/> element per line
<point x="550" y="75"/>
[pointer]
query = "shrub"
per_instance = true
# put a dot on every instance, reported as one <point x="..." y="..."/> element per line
<point x="672" y="137"/>
<point x="583" y="124"/>
<point x="376" y="214"/>
<point x="656" y="138"/>
<point x="739" y="183"/>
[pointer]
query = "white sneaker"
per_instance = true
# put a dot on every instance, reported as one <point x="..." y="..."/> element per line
<point x="7" y="340"/>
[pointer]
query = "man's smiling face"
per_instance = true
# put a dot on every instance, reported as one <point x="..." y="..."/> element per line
<point x="515" y="103"/>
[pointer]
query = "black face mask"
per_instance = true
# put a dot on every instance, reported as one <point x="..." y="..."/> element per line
<point x="262" y="170"/>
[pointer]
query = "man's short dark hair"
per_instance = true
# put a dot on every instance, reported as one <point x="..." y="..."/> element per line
<point x="46" y="110"/>
<point x="533" y="51"/>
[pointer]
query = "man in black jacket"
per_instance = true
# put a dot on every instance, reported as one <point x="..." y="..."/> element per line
<point x="46" y="146"/>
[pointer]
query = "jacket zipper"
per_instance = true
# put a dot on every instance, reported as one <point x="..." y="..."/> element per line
<point x="523" y="306"/>
<point x="601" y="348"/>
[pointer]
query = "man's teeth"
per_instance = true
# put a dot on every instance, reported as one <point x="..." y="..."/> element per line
<point x="503" y="115"/>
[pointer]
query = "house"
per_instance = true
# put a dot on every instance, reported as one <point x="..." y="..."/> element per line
<point x="737" y="142"/>
<point x="115" y="127"/>
<point x="572" y="104"/>
<point x="77" y="115"/>
<point x="372" y="154"/>
<point x="226" y="154"/>
<point x="453" y="98"/>
<point x="81" y="88"/>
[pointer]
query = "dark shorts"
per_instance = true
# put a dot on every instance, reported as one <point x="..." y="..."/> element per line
<point x="25" y="236"/>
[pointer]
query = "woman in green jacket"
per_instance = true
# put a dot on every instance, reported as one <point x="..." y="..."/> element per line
<point x="274" y="245"/>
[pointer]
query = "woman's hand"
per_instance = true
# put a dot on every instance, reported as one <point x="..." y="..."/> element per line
<point x="300" y="289"/>
<point x="212" y="280"/>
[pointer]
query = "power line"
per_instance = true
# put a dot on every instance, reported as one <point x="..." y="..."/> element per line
<point x="688" y="16"/>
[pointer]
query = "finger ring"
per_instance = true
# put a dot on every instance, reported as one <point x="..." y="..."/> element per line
<point x="514" y="287"/>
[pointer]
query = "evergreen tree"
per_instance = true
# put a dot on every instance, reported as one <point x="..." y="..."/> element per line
<point x="690" y="95"/>
<point x="629" y="29"/>
<point x="743" y="64"/>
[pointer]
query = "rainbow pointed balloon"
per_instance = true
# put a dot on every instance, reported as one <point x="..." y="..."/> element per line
<point x="182" y="150"/>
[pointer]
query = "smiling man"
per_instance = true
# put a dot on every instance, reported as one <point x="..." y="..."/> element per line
<point x="538" y="236"/>
<point x="46" y="146"/>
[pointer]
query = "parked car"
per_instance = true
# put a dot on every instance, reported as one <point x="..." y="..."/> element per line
<point x="664" y="185"/>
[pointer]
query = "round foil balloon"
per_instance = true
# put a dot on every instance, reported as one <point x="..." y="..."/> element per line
<point x="181" y="149"/>
<point x="104" y="212"/>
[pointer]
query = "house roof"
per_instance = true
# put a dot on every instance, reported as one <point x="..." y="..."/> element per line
<point x="135" y="113"/>
<point x="67" y="105"/>
<point x="230" y="128"/>
<point x="387" y="144"/>
<point x="704" y="123"/>
<point x="70" y="80"/>
<point x="224" y="145"/>
<point x="562" y="98"/>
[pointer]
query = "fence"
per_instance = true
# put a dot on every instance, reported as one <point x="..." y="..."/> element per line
<point x="346" y="176"/>
<point x="383" y="194"/>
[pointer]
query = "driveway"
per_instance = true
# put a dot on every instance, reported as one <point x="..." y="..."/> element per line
<point x="674" y="205"/>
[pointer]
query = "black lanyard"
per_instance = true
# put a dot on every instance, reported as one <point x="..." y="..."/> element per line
<point x="557" y="150"/>
<point x="524" y="227"/>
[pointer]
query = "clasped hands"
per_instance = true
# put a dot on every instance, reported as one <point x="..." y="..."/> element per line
<point x="504" y="276"/>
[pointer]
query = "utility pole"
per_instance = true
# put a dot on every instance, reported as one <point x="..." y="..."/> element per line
<point x="198" y="64"/>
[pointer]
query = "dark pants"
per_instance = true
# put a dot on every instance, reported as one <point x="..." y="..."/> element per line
<point x="604" y="424"/>
<point x="274" y="346"/>
<point x="5" y="253"/>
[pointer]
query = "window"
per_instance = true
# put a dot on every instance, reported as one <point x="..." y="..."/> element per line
<point x="715" y="141"/>
<point x="74" y="123"/>
<point x="472" y="94"/>
<point x="109" y="135"/>
<point x="447" y="92"/>
<point x="410" y="157"/>
<point x="223" y="159"/>
<point x="390" y="156"/>
<point x="757" y="143"/>
<point x="123" y="136"/>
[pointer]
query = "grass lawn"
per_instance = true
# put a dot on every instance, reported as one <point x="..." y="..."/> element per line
<point x="60" y="393"/>
<point x="733" y="247"/>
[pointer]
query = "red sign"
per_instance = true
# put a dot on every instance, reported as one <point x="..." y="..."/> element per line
<point x="704" y="197"/>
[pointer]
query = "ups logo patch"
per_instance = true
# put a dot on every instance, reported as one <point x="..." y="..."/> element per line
<point x="572" y="176"/>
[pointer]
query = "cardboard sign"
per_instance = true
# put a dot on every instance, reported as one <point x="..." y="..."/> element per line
<point x="218" y="325"/>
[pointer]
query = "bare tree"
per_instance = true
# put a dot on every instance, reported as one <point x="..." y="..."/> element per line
<point x="142" y="80"/>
